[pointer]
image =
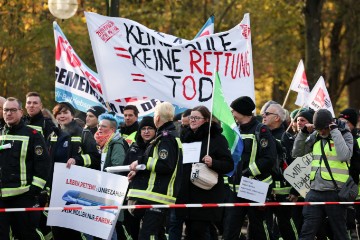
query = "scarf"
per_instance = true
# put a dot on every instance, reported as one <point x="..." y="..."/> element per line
<point x="103" y="139"/>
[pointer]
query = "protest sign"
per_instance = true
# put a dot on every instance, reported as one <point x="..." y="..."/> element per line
<point x="253" y="190"/>
<point x="77" y="84"/>
<point x="298" y="174"/>
<point x="138" y="60"/>
<point x="79" y="186"/>
<point x="191" y="152"/>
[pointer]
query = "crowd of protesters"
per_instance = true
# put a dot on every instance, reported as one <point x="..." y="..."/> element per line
<point x="272" y="140"/>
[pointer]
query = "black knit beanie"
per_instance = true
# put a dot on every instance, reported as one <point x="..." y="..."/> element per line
<point x="96" y="110"/>
<point x="243" y="105"/>
<point x="147" y="121"/>
<point x="351" y="115"/>
<point x="307" y="114"/>
<point x="322" y="119"/>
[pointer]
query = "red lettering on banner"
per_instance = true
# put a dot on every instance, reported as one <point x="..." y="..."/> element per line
<point x="194" y="63"/>
<point x="236" y="64"/>
<point x="206" y="63"/>
<point x="64" y="46"/>
<point x="193" y="86"/>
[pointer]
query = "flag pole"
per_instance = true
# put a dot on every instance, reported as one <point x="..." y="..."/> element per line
<point x="286" y="98"/>
<point x="211" y="110"/>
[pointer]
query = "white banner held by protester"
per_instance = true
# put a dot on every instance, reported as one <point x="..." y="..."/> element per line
<point x="319" y="97"/>
<point x="138" y="60"/>
<point x="79" y="186"/>
<point x="77" y="84"/>
<point x="253" y="190"/>
<point x="298" y="174"/>
<point x="300" y="85"/>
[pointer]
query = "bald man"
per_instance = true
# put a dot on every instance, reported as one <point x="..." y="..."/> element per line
<point x="2" y="122"/>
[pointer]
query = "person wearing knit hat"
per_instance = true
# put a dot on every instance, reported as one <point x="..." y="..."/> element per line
<point x="329" y="148"/>
<point x="351" y="116"/>
<point x="92" y="116"/>
<point x="304" y="117"/>
<point x="254" y="164"/>
<point x="243" y="105"/>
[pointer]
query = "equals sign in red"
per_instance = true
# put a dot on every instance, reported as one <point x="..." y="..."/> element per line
<point x="138" y="77"/>
<point x="121" y="52"/>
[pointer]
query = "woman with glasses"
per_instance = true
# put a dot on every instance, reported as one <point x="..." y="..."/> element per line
<point x="199" y="220"/>
<point x="70" y="144"/>
<point x="145" y="134"/>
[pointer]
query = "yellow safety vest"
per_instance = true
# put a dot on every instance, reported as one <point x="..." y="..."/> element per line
<point x="149" y="193"/>
<point x="252" y="164"/>
<point x="339" y="169"/>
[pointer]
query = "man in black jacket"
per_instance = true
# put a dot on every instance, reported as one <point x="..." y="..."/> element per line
<point x="24" y="169"/>
<point x="35" y="119"/>
<point x="257" y="160"/>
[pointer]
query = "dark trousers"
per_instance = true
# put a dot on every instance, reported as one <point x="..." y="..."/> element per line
<point x="314" y="215"/>
<point x="60" y="233"/>
<point x="23" y="224"/>
<point x="175" y="227"/>
<point x="198" y="230"/>
<point x="284" y="220"/>
<point x="153" y="220"/>
<point x="235" y="219"/>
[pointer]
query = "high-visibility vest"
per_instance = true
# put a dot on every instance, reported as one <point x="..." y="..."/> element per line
<point x="130" y="138"/>
<point x="24" y="187"/>
<point x="339" y="169"/>
<point x="150" y="193"/>
<point x="252" y="164"/>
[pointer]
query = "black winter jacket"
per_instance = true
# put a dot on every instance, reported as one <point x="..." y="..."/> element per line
<point x="222" y="163"/>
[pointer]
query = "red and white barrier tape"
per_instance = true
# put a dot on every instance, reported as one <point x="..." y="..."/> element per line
<point x="205" y="205"/>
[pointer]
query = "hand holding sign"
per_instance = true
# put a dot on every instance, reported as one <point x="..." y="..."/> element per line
<point x="5" y="146"/>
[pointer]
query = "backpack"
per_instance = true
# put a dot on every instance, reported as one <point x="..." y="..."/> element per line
<point x="277" y="169"/>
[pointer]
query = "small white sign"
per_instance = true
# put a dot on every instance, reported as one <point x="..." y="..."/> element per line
<point x="253" y="190"/>
<point x="191" y="152"/>
<point x="298" y="174"/>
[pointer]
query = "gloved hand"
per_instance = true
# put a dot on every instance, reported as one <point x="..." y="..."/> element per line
<point x="34" y="190"/>
<point x="247" y="172"/>
<point x="341" y="124"/>
<point x="333" y="125"/>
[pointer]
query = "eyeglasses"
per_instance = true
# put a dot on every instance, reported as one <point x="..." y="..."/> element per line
<point x="11" y="110"/>
<point x="195" y="118"/>
<point x="147" y="129"/>
<point x="269" y="113"/>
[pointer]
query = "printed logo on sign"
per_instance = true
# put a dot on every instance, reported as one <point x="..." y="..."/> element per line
<point x="245" y="30"/>
<point x="320" y="97"/>
<point x="107" y="30"/>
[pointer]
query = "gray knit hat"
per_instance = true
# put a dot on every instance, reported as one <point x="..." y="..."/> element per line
<point x="322" y="119"/>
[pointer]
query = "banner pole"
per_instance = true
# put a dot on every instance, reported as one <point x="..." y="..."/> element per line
<point x="286" y="98"/>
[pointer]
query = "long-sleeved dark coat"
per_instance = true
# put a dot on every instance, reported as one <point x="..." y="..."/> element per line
<point x="222" y="163"/>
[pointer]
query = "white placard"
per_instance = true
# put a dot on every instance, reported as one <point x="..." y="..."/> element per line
<point x="78" y="187"/>
<point x="298" y="174"/>
<point x="191" y="152"/>
<point x="253" y="190"/>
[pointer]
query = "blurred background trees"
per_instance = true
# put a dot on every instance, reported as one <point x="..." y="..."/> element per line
<point x="325" y="33"/>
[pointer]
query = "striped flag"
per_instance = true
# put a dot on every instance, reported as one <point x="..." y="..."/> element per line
<point x="222" y="112"/>
<point x="207" y="29"/>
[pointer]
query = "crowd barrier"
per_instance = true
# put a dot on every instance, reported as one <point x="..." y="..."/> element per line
<point x="205" y="205"/>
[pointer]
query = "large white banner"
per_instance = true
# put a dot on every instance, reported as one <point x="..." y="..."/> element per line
<point x="133" y="60"/>
<point x="79" y="186"/>
<point x="77" y="84"/>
